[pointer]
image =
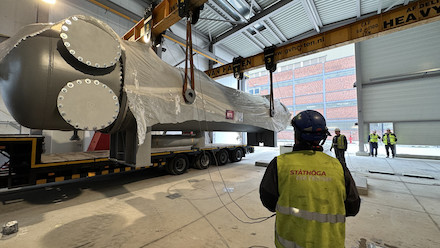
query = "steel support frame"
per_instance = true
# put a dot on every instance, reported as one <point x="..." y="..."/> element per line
<point x="262" y="36"/>
<point x="236" y="11"/>
<point x="312" y="13"/>
<point x="214" y="6"/>
<point x="253" y="40"/>
<point x="230" y="21"/>
<point x="276" y="29"/>
<point x="265" y="14"/>
<point x="272" y="32"/>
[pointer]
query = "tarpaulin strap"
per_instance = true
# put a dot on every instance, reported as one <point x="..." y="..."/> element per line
<point x="189" y="52"/>
<point x="271" y="66"/>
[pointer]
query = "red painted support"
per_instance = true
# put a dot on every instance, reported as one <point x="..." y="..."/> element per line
<point x="100" y="141"/>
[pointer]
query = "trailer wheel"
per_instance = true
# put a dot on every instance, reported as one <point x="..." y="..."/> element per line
<point x="203" y="160"/>
<point x="178" y="165"/>
<point x="222" y="157"/>
<point x="236" y="155"/>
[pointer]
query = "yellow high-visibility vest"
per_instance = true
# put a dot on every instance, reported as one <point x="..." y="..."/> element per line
<point x="392" y="139"/>
<point x="340" y="142"/>
<point x="374" y="137"/>
<point x="310" y="211"/>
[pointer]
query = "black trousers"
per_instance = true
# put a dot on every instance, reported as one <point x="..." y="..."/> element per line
<point x="393" y="150"/>
<point x="373" y="147"/>
<point x="340" y="155"/>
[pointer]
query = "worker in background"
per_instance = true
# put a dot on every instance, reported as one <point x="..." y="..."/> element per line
<point x="340" y="145"/>
<point x="373" y="139"/>
<point x="310" y="191"/>
<point x="390" y="139"/>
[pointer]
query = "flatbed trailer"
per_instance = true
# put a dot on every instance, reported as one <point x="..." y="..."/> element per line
<point x="27" y="165"/>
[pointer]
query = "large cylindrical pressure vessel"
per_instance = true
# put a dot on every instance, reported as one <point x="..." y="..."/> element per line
<point x="77" y="74"/>
<point x="61" y="79"/>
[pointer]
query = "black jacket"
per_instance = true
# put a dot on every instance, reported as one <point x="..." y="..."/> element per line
<point x="269" y="187"/>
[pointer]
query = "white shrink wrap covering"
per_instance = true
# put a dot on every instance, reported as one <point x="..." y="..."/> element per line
<point x="154" y="90"/>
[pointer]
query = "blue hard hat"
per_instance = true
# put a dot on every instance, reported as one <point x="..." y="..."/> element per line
<point x="311" y="125"/>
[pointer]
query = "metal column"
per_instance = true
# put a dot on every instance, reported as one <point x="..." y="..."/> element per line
<point x="358" y="83"/>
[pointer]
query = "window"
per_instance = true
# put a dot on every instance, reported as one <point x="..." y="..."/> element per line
<point x="381" y="128"/>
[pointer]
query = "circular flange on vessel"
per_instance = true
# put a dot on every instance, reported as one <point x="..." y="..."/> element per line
<point x="90" y="42"/>
<point x="88" y="104"/>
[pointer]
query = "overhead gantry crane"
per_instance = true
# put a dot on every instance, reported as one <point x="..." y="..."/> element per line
<point x="413" y="14"/>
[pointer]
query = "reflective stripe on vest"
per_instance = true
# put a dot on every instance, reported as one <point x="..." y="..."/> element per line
<point x="310" y="210"/>
<point x="341" y="143"/>
<point x="286" y="243"/>
<point x="392" y="139"/>
<point x="373" y="138"/>
<point x="323" y="218"/>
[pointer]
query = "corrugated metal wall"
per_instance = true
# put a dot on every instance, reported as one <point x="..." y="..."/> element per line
<point x="393" y="89"/>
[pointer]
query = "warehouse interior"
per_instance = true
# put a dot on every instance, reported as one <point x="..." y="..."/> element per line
<point x="365" y="65"/>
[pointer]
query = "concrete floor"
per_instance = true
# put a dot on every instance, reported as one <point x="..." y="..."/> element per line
<point x="151" y="209"/>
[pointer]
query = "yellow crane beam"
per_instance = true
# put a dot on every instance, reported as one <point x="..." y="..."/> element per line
<point x="417" y="13"/>
<point x="165" y="14"/>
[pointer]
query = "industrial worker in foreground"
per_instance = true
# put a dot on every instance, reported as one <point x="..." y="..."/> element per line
<point x="310" y="191"/>
<point x="372" y="139"/>
<point x="339" y="143"/>
<point x="390" y="139"/>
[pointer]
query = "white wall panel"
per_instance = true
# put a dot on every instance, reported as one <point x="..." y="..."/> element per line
<point x="420" y="133"/>
<point x="406" y="51"/>
<point x="412" y="100"/>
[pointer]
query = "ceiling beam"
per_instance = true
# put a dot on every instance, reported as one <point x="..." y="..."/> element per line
<point x="276" y="29"/>
<point x="226" y="49"/>
<point x="392" y="5"/>
<point x="230" y="21"/>
<point x="262" y="36"/>
<point x="253" y="40"/>
<point x="312" y="14"/>
<point x="315" y="12"/>
<point x="235" y="11"/>
<point x="251" y="5"/>
<point x="182" y="42"/>
<point x="215" y="6"/>
<point x="272" y="32"/>
<point x="273" y="10"/>
<point x="196" y="33"/>
<point x="379" y="6"/>
<point x="358" y="8"/>
<point x="255" y="4"/>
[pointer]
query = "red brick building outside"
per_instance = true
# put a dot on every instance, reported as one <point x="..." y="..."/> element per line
<point x="324" y="86"/>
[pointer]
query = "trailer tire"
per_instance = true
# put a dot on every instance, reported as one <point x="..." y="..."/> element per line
<point x="236" y="155"/>
<point x="203" y="160"/>
<point x="222" y="157"/>
<point x="178" y="165"/>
